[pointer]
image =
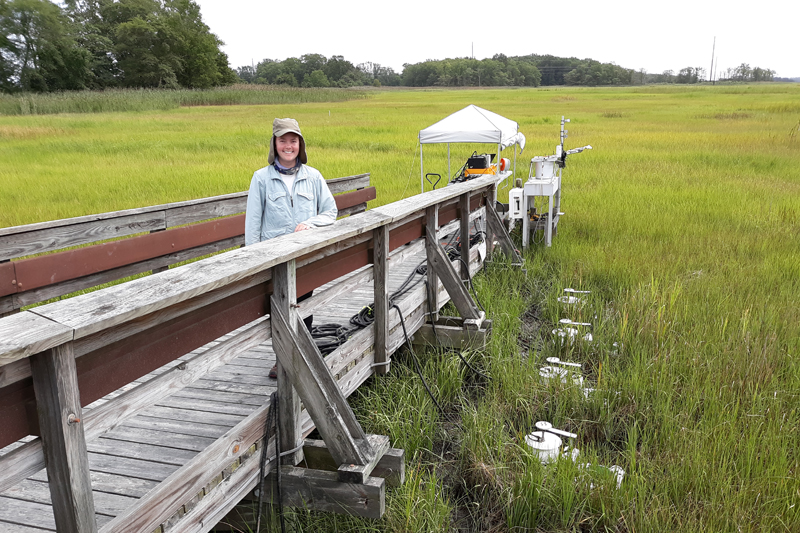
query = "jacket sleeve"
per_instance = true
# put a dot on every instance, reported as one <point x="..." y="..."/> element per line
<point x="254" y="213"/>
<point x="326" y="205"/>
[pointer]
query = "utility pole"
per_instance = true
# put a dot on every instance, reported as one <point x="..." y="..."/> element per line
<point x="711" y="70"/>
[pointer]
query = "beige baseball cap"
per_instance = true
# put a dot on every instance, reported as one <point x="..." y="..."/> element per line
<point x="280" y="127"/>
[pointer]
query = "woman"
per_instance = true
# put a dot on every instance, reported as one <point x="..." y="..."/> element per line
<point x="287" y="195"/>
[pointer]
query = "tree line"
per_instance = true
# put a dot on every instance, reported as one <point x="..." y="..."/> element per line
<point x="315" y="70"/>
<point x="99" y="44"/>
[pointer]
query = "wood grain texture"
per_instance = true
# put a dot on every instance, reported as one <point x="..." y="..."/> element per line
<point x="463" y="216"/>
<point x="55" y="381"/>
<point x="340" y="185"/>
<point x="381" y="297"/>
<point x="319" y="490"/>
<point x="60" y="289"/>
<point x="319" y="392"/>
<point x="438" y="260"/>
<point x="284" y="297"/>
<point x="94" y="312"/>
<point x="24" y="334"/>
<point x="170" y="495"/>
<point x="19" y="241"/>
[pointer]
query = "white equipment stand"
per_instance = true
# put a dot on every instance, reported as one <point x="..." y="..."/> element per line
<point x="544" y="179"/>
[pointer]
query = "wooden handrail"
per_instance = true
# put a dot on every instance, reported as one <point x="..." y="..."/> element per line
<point x="33" y="280"/>
<point x="172" y="302"/>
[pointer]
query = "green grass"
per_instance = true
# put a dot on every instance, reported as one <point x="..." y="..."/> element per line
<point x="683" y="221"/>
<point x="115" y="100"/>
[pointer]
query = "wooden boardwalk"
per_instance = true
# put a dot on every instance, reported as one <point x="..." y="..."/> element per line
<point x="217" y="395"/>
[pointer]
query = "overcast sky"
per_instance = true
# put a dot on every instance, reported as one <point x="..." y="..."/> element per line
<point x="655" y="36"/>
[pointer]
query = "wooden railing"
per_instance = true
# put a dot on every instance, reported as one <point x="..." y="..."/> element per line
<point x="60" y="356"/>
<point x="196" y="228"/>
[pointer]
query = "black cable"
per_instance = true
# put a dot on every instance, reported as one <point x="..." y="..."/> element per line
<point x="416" y="361"/>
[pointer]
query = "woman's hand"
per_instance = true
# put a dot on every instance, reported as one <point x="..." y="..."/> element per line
<point x="302" y="227"/>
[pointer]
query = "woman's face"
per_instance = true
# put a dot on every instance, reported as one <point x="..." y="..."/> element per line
<point x="287" y="148"/>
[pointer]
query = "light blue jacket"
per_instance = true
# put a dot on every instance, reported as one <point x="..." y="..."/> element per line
<point x="273" y="210"/>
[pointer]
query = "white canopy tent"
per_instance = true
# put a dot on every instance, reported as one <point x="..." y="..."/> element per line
<point x="471" y="125"/>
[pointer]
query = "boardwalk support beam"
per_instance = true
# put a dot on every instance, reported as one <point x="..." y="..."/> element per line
<point x="55" y="383"/>
<point x="496" y="230"/>
<point x="439" y="262"/>
<point x="323" y="399"/>
<point x="449" y="332"/>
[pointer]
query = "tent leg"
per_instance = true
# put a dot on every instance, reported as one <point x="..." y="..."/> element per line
<point x="421" y="171"/>
<point x="449" y="172"/>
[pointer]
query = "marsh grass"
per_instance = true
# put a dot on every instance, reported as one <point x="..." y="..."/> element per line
<point x="683" y="227"/>
<point x="118" y="100"/>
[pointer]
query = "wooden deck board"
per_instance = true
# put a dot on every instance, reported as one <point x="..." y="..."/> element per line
<point x="129" y="460"/>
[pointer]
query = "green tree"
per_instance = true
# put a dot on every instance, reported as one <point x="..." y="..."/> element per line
<point x="144" y="54"/>
<point x="316" y="79"/>
<point x="37" y="49"/>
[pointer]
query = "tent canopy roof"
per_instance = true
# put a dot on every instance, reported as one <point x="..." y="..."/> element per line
<point x="472" y="125"/>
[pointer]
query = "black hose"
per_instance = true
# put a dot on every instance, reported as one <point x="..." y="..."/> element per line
<point x="416" y="361"/>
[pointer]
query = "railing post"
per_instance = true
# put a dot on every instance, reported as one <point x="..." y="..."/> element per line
<point x="162" y="268"/>
<point x="432" y="222"/>
<point x="284" y="282"/>
<point x="463" y="207"/>
<point x="55" y="384"/>
<point x="380" y="239"/>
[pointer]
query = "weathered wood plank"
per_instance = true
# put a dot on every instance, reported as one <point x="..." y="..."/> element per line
<point x="450" y="337"/>
<point x="232" y="205"/>
<point x="94" y="312"/>
<point x="163" y="501"/>
<point x="146" y="452"/>
<point x="188" y="415"/>
<point x="30" y="514"/>
<point x="381" y="297"/>
<point x="402" y="208"/>
<point x="496" y="230"/>
<point x="38" y="492"/>
<point x="55" y="382"/>
<point x="48" y="269"/>
<point x="176" y="426"/>
<point x="19" y="241"/>
<point x="355" y="473"/>
<point x="8" y="527"/>
<point x="59" y="289"/>
<point x="348" y="183"/>
<point x="13" y="372"/>
<point x="24" y="334"/>
<point x="227" y="398"/>
<point x="463" y="215"/>
<point x="322" y="491"/>
<point x="128" y="467"/>
<point x="432" y="221"/>
<point x="455" y="287"/>
<point x="284" y="297"/>
<point x="188" y="372"/>
<point x="20" y="463"/>
<point x="192" y="443"/>
<point x="221" y="500"/>
<point x="391" y="465"/>
<point x="320" y="393"/>
<point x="207" y="406"/>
